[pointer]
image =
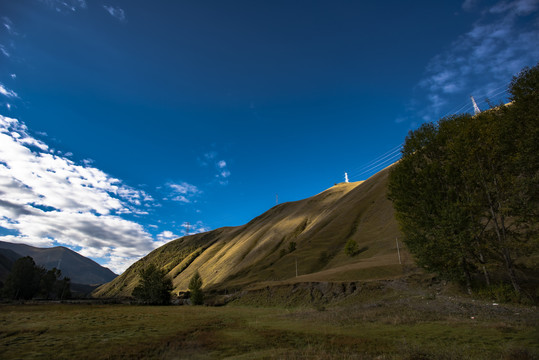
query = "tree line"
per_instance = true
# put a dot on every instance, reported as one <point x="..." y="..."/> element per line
<point x="466" y="190"/>
<point x="28" y="280"/>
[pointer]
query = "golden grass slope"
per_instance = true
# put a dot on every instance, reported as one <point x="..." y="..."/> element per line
<point x="256" y="253"/>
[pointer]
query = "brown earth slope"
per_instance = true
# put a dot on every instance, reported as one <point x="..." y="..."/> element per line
<point x="257" y="253"/>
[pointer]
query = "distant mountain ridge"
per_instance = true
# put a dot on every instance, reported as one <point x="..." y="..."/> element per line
<point x="305" y="237"/>
<point x="78" y="268"/>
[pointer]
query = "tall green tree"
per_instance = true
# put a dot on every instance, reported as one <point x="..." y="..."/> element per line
<point x="53" y="286"/>
<point x="154" y="287"/>
<point x="424" y="187"/>
<point x="24" y="280"/>
<point x="195" y="287"/>
<point x="466" y="189"/>
<point x="48" y="281"/>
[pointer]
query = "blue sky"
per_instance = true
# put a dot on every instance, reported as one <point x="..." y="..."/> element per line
<point x="121" y="121"/>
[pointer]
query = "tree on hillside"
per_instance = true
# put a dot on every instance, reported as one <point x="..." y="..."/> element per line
<point x="351" y="248"/>
<point x="291" y="246"/>
<point x="195" y="287"/>
<point x="154" y="287"/>
<point x="466" y="189"/>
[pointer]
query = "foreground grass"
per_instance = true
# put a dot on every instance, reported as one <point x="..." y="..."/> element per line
<point x="63" y="331"/>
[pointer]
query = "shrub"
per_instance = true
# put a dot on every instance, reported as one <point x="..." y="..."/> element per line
<point x="351" y="248"/>
<point x="291" y="246"/>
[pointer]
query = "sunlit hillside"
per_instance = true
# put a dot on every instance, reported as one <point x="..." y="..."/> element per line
<point x="260" y="252"/>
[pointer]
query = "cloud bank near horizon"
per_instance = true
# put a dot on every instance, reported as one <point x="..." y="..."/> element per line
<point x="46" y="199"/>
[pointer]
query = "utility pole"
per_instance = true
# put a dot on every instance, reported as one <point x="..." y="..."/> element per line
<point x="346" y="177"/>
<point x="398" y="250"/>
<point x="187" y="225"/>
<point x="276" y="199"/>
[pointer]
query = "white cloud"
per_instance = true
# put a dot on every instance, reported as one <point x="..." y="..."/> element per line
<point x="184" y="188"/>
<point x="183" y="192"/>
<point x="180" y="198"/>
<point x="48" y="199"/>
<point x="482" y="61"/>
<point x="222" y="172"/>
<point x="116" y="12"/>
<point x="196" y="228"/>
<point x="221" y="166"/>
<point x="8" y="93"/>
<point x="164" y="237"/>
<point x="167" y="235"/>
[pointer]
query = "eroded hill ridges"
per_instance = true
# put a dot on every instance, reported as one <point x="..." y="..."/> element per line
<point x="259" y="252"/>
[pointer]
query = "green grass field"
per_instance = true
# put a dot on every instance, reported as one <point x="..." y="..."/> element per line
<point x="389" y="327"/>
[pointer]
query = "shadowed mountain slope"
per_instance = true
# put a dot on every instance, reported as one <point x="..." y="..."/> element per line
<point x="258" y="253"/>
<point x="78" y="268"/>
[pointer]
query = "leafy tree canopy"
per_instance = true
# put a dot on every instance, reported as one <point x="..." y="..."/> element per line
<point x="27" y="280"/>
<point x="351" y="248"/>
<point x="466" y="189"/>
<point x="154" y="287"/>
<point x="195" y="287"/>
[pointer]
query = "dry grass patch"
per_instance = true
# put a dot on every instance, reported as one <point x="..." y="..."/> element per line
<point x="386" y="330"/>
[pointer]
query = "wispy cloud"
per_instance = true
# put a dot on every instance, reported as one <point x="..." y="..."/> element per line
<point x="4" y="51"/>
<point x="116" y="12"/>
<point x="196" y="228"/>
<point x="182" y="192"/>
<point x="207" y="158"/>
<point x="482" y="61"/>
<point x="469" y="5"/>
<point x="221" y="167"/>
<point x="8" y="93"/>
<point x="63" y="5"/>
<point x="8" y="25"/>
<point x="48" y="199"/>
<point x="222" y="172"/>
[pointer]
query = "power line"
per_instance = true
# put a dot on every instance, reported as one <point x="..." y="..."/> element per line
<point x="372" y="162"/>
<point x="393" y="154"/>
<point x="468" y="106"/>
<point x="378" y="161"/>
<point x="382" y="165"/>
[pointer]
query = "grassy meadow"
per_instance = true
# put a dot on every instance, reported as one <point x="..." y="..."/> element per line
<point x="387" y="326"/>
